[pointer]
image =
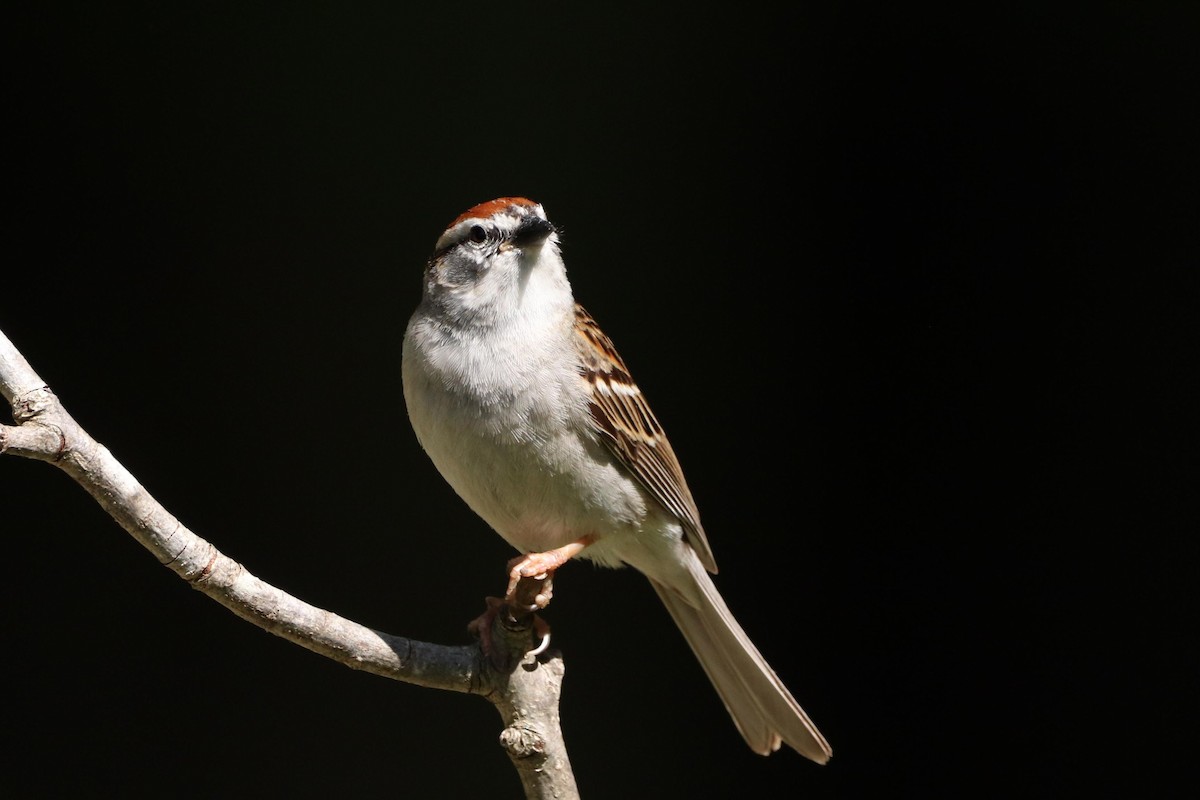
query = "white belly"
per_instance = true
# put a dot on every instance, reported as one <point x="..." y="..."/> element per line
<point x="525" y="460"/>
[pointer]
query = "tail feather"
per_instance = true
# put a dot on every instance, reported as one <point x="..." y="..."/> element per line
<point x="762" y="708"/>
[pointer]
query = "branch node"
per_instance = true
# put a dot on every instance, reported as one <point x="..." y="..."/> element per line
<point x="204" y="573"/>
<point x="34" y="403"/>
<point x="522" y="741"/>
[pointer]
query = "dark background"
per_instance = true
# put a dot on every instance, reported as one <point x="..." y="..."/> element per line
<point x="906" y="287"/>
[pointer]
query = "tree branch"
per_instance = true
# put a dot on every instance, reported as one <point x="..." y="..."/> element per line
<point x="526" y="696"/>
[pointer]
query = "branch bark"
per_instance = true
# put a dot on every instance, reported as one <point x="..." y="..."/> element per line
<point x="526" y="695"/>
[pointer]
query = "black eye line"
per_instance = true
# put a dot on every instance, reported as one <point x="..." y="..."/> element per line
<point x="491" y="233"/>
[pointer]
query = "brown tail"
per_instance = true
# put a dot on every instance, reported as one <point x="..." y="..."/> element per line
<point x="763" y="709"/>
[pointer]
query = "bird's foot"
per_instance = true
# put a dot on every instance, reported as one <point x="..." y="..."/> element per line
<point x="483" y="627"/>
<point x="530" y="587"/>
<point x="539" y="567"/>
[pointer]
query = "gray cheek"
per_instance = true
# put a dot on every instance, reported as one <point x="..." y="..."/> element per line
<point x="456" y="272"/>
<point x="463" y="266"/>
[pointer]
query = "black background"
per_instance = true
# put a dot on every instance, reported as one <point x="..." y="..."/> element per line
<point x="906" y="287"/>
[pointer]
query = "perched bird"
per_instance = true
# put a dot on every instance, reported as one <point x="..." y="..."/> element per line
<point x="529" y="413"/>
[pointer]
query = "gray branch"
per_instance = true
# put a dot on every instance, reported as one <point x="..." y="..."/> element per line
<point x="526" y="693"/>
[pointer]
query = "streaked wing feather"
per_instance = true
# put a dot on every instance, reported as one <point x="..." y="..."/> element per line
<point x="629" y="428"/>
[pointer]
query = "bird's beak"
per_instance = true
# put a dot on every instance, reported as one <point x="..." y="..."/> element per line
<point x="532" y="230"/>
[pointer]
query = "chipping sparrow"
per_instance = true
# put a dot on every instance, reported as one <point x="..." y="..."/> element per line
<point x="530" y="414"/>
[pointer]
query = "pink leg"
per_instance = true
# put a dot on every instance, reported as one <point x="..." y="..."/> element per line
<point x="541" y="566"/>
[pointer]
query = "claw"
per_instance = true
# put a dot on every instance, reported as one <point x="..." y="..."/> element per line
<point x="543" y="630"/>
<point x="481" y="626"/>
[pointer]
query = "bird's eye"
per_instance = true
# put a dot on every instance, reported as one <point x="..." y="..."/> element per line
<point x="478" y="235"/>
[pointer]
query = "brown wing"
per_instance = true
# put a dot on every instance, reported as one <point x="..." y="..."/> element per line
<point x="627" y="425"/>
